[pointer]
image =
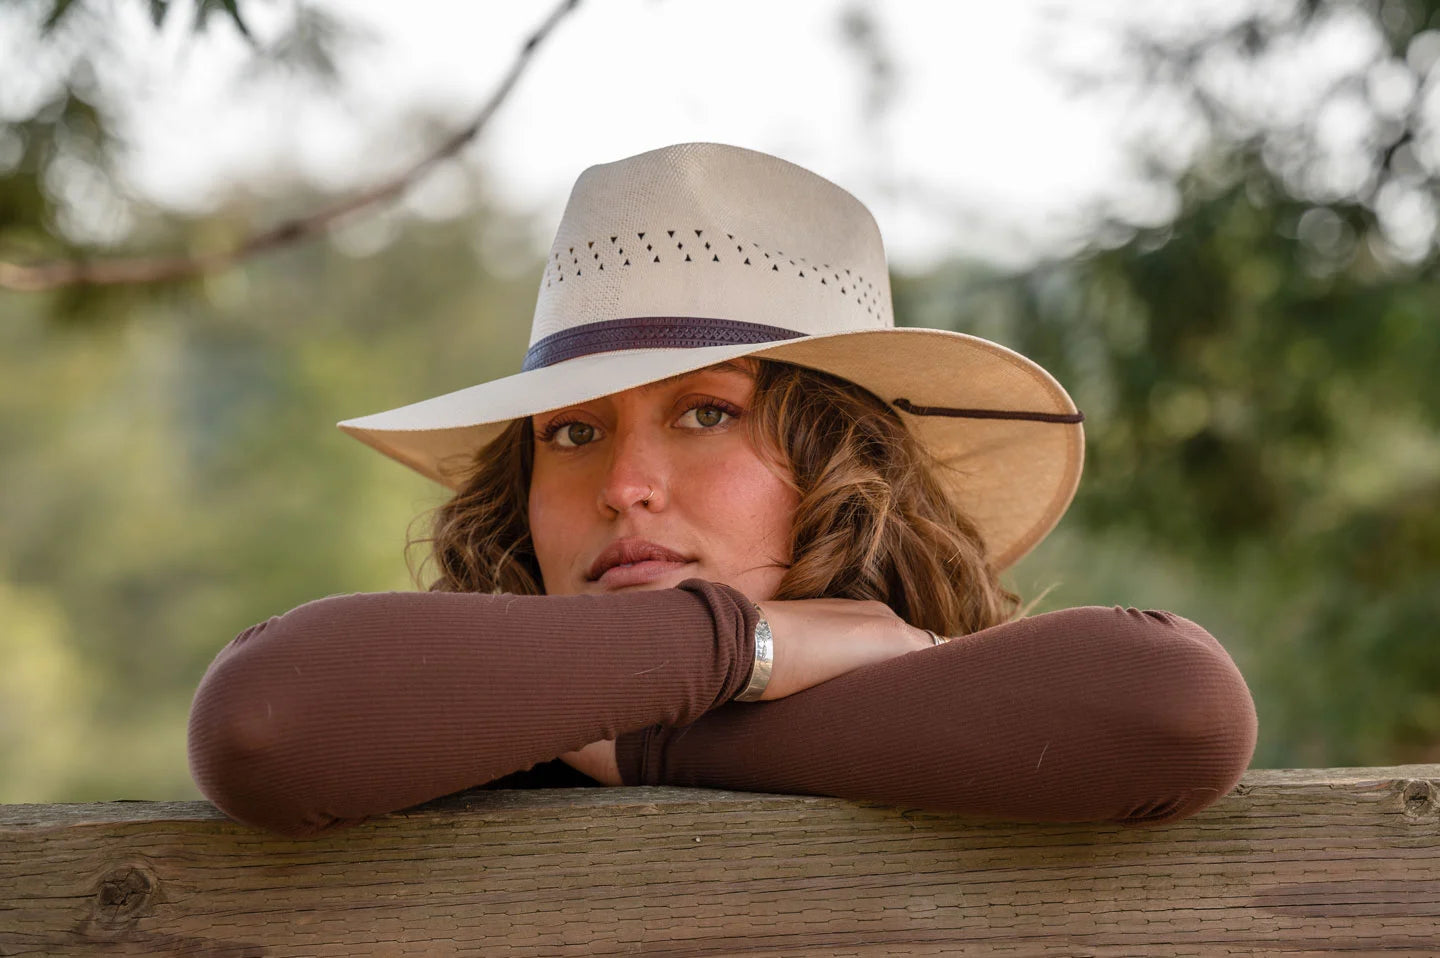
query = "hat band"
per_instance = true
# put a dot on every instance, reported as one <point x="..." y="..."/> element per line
<point x="649" y="332"/>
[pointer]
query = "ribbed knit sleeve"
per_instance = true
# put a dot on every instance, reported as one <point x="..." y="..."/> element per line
<point x="357" y="705"/>
<point x="1086" y="714"/>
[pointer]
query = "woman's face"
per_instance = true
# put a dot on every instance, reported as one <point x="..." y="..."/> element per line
<point x="648" y="487"/>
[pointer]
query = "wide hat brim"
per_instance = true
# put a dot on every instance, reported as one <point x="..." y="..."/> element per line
<point x="1013" y="477"/>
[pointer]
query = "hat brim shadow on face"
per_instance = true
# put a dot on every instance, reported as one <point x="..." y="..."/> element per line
<point x="1013" y="477"/>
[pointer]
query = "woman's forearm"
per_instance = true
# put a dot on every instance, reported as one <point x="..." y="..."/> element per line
<point x="356" y="705"/>
<point x="1091" y="714"/>
<point x="815" y="640"/>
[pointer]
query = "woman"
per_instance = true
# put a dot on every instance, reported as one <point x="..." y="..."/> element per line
<point x="711" y="535"/>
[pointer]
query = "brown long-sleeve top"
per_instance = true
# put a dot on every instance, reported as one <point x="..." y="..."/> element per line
<point x="357" y="705"/>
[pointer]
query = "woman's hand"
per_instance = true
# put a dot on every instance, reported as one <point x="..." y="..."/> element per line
<point x="819" y="639"/>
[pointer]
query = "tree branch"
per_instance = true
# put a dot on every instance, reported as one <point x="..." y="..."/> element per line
<point x="38" y="277"/>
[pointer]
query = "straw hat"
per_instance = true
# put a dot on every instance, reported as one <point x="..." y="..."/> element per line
<point x="693" y="254"/>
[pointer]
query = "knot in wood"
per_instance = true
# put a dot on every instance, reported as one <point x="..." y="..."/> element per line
<point x="1418" y="799"/>
<point x="124" y="893"/>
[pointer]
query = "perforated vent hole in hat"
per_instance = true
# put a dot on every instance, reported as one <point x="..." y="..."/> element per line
<point x="610" y="250"/>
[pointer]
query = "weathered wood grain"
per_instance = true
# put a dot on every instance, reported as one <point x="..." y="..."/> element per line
<point x="1295" y="862"/>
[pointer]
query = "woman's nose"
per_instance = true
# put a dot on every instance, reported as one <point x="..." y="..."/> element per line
<point x="634" y="477"/>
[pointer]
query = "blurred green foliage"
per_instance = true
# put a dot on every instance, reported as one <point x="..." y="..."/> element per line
<point x="1258" y="376"/>
<point x="171" y="473"/>
<point x="1271" y="436"/>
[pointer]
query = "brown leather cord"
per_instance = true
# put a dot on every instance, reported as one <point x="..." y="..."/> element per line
<point x="905" y="405"/>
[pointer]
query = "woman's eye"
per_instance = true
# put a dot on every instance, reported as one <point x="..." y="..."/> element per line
<point x="575" y="434"/>
<point x="706" y="416"/>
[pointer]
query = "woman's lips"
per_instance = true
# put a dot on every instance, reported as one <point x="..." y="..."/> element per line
<point x="631" y="550"/>
<point x="639" y="573"/>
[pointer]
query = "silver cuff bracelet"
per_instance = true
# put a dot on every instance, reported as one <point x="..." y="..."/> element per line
<point x="764" y="661"/>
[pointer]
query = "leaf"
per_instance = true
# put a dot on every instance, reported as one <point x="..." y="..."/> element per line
<point x="57" y="13"/>
<point x="231" y="8"/>
<point x="309" y="47"/>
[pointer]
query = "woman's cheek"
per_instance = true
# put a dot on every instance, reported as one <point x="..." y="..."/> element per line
<point x="546" y="532"/>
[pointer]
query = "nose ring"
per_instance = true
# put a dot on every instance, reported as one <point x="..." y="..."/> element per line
<point x="649" y="491"/>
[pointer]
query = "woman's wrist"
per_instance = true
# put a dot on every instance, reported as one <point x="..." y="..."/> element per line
<point x="815" y="640"/>
<point x="761" y="671"/>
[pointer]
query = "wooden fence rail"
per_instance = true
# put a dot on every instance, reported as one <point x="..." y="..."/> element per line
<point x="1294" y="862"/>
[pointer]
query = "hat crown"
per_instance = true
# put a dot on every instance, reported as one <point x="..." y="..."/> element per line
<point x="715" y="232"/>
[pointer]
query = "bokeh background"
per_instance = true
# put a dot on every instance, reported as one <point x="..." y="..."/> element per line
<point x="1216" y="226"/>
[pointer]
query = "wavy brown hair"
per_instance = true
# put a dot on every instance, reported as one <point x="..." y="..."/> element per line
<point x="872" y="521"/>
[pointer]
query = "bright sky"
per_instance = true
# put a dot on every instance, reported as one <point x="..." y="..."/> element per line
<point x="983" y="151"/>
